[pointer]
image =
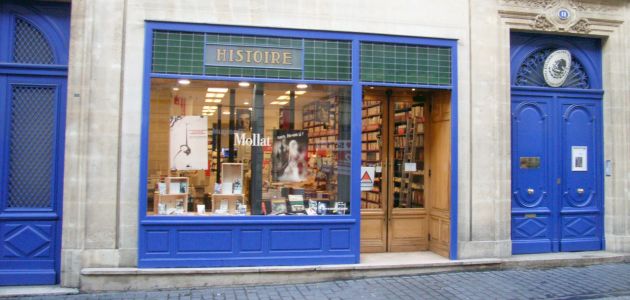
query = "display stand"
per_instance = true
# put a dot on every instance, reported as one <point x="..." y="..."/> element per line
<point x="174" y="196"/>
<point x="231" y="190"/>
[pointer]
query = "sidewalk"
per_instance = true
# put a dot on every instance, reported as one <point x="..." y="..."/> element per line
<point x="590" y="282"/>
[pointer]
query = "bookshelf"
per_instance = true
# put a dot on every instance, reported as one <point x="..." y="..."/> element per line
<point x="371" y="145"/>
<point x="408" y="137"/>
<point x="320" y="120"/>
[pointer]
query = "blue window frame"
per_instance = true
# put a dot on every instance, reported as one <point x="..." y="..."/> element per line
<point x="269" y="240"/>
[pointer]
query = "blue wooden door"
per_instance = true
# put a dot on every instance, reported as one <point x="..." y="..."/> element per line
<point x="34" y="39"/>
<point x="31" y="179"/>
<point x="556" y="174"/>
<point x="533" y="190"/>
<point x="580" y="203"/>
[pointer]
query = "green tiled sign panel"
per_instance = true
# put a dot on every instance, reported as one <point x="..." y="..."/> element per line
<point x="182" y="53"/>
<point x="411" y="64"/>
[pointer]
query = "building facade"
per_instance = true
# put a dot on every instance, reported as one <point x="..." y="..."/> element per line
<point x="233" y="133"/>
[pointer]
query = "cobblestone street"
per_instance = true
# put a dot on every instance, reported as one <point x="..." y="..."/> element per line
<point x="592" y="282"/>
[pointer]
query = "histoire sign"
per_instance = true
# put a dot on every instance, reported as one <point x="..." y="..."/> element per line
<point x="253" y="57"/>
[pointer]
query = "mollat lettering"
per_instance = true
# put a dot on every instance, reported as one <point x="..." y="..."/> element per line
<point x="255" y="140"/>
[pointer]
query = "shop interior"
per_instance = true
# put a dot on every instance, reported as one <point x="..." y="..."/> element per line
<point x="406" y="168"/>
<point x="219" y="148"/>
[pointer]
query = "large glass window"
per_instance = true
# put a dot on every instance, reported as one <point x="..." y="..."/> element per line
<point x="226" y="148"/>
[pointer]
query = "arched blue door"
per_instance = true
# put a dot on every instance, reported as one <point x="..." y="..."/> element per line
<point x="33" y="75"/>
<point x="557" y="183"/>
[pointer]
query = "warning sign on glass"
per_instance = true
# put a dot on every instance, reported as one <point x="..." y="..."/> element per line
<point x="367" y="178"/>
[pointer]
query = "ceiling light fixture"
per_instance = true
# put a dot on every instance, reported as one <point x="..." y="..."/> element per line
<point x="215" y="95"/>
<point x="226" y="112"/>
<point x="243" y="84"/>
<point x="245" y="103"/>
<point x="413" y="90"/>
<point x="184" y="81"/>
<point x="296" y="92"/>
<point x="282" y="102"/>
<point x="301" y="86"/>
<point x="273" y="102"/>
<point x="176" y="89"/>
<point x="283" y="97"/>
<point x="217" y="90"/>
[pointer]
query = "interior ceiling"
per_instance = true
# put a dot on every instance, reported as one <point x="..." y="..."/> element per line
<point x="197" y="89"/>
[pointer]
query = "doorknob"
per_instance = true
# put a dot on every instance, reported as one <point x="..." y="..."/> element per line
<point x="580" y="191"/>
<point x="530" y="191"/>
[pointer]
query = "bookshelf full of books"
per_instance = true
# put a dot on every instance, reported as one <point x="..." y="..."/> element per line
<point x="408" y="137"/>
<point x="319" y="119"/>
<point x="371" y="144"/>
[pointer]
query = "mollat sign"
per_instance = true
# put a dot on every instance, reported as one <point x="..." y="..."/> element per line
<point x="253" y="57"/>
<point x="256" y="140"/>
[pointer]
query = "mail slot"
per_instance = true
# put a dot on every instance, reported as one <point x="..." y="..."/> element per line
<point x="530" y="216"/>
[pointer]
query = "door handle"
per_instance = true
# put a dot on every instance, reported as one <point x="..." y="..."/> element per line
<point x="530" y="191"/>
<point x="580" y="191"/>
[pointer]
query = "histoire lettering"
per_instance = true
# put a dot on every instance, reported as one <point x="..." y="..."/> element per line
<point x="268" y="57"/>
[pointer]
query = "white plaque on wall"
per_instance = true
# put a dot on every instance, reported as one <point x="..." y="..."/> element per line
<point x="579" y="158"/>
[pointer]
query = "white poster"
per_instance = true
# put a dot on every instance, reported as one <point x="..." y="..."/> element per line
<point x="188" y="144"/>
<point x="410" y="167"/>
<point x="367" y="178"/>
<point x="579" y="161"/>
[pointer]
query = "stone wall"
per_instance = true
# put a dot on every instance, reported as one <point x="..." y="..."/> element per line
<point x="105" y="94"/>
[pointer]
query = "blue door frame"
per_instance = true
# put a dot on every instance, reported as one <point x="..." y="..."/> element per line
<point x="33" y="70"/>
<point x="556" y="206"/>
<point x="158" y="235"/>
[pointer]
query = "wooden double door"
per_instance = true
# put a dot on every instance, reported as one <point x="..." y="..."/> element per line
<point x="405" y="198"/>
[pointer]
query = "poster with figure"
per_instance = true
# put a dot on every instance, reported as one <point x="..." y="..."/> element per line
<point x="288" y="155"/>
<point x="188" y="143"/>
<point x="243" y="119"/>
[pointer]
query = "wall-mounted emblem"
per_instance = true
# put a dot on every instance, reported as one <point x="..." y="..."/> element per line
<point x="564" y="14"/>
<point x="556" y="68"/>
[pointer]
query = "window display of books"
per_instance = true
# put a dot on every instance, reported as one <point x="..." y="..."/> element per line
<point x="171" y="196"/>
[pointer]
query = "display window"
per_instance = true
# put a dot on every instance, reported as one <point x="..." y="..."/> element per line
<point x="220" y="148"/>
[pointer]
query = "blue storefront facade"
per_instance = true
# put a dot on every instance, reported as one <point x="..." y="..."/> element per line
<point x="171" y="241"/>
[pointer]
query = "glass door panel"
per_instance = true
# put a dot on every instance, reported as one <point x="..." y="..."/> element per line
<point x="408" y="153"/>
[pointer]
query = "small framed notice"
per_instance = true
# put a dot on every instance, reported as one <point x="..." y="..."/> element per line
<point x="579" y="158"/>
<point x="410" y="167"/>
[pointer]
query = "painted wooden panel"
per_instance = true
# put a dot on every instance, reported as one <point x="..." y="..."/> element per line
<point x="251" y="240"/>
<point x="439" y="181"/>
<point x="199" y="241"/>
<point x="286" y="240"/>
<point x="157" y="241"/>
